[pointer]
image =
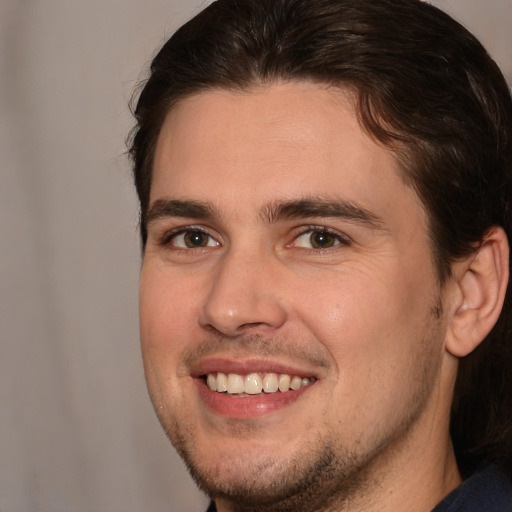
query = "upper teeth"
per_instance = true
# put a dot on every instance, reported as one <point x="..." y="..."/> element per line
<point x="255" y="383"/>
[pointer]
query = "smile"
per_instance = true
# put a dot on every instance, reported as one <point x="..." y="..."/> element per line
<point x="255" y="383"/>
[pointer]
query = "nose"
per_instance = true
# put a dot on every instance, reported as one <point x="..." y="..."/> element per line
<point x="244" y="294"/>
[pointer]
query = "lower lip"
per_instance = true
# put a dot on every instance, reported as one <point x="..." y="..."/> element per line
<point x="247" y="407"/>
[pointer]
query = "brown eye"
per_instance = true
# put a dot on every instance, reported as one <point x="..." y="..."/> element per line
<point x="319" y="239"/>
<point x="195" y="239"/>
<point x="322" y="240"/>
<point x="192" y="239"/>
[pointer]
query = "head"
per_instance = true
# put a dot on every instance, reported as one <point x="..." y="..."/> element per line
<point x="423" y="90"/>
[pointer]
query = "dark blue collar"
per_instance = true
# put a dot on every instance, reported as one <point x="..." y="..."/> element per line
<point x="488" y="490"/>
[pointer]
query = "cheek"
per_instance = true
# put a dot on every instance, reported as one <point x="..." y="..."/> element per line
<point x="378" y="334"/>
<point x="367" y="318"/>
<point x="168" y="312"/>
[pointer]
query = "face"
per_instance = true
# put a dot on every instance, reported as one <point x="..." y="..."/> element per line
<point x="287" y="297"/>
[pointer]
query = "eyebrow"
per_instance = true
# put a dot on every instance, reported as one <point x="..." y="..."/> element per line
<point x="162" y="208"/>
<point x="271" y="213"/>
<point x="321" y="208"/>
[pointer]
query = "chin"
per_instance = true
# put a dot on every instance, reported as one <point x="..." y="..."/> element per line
<point x="264" y="478"/>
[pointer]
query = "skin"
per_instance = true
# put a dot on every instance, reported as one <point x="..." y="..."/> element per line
<point x="362" y="311"/>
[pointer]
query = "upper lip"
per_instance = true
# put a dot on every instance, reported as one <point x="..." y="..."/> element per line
<point x="246" y="366"/>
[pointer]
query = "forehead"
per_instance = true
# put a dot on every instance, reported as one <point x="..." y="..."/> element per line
<point x="278" y="142"/>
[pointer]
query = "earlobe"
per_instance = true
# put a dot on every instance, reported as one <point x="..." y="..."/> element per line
<point x="481" y="282"/>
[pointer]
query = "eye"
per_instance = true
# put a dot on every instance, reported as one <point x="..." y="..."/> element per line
<point x="318" y="239"/>
<point x="192" y="239"/>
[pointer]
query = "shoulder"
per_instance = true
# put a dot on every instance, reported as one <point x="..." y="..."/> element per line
<point x="488" y="490"/>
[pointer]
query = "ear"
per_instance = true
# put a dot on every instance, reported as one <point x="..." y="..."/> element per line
<point x="481" y="282"/>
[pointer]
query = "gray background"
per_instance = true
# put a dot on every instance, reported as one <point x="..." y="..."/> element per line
<point x="77" y="432"/>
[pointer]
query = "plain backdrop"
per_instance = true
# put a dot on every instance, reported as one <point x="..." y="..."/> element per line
<point x="77" y="431"/>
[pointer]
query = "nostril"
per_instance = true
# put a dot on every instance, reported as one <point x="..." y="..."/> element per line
<point x="250" y="325"/>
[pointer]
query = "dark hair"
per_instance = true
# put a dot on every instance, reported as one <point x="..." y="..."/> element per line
<point x="425" y="87"/>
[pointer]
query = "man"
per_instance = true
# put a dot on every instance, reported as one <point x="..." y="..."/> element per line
<point x="325" y="212"/>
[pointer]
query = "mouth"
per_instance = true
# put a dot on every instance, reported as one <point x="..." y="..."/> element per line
<point x="250" y="389"/>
